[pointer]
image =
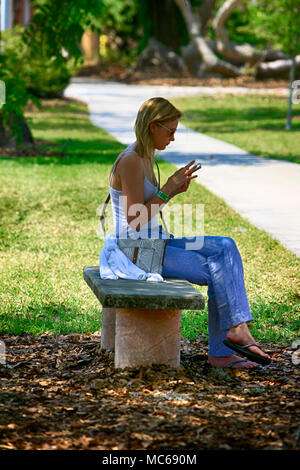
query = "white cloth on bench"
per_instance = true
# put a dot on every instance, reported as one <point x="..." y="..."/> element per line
<point x="114" y="264"/>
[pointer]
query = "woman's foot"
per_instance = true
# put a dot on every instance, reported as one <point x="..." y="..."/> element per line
<point x="241" y="335"/>
<point x="235" y="362"/>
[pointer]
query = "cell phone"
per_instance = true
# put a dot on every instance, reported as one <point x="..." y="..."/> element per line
<point x="198" y="166"/>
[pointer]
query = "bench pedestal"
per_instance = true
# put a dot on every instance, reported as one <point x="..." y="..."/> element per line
<point x="145" y="337"/>
<point x="108" y="329"/>
<point x="141" y="320"/>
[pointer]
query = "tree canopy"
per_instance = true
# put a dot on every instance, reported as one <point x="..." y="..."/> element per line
<point x="213" y="37"/>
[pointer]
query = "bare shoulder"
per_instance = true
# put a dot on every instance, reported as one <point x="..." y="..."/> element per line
<point x="129" y="157"/>
<point x="130" y="162"/>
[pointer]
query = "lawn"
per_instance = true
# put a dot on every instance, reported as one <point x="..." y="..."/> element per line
<point x="49" y="223"/>
<point x="255" y="123"/>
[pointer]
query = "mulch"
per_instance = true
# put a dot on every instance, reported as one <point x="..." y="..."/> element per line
<point x="37" y="149"/>
<point x="155" y="76"/>
<point x="62" y="392"/>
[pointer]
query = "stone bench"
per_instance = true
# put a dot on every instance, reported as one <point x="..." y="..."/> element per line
<point x="141" y="321"/>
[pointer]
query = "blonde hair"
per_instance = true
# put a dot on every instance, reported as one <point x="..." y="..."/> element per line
<point x="153" y="110"/>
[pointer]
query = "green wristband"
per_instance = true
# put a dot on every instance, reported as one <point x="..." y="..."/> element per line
<point x="162" y="195"/>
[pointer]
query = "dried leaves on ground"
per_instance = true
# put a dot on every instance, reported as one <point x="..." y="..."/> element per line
<point x="38" y="149"/>
<point x="62" y="392"/>
<point x="155" y="76"/>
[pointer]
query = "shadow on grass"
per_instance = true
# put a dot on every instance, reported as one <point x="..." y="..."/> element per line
<point x="270" y="119"/>
<point x="53" y="318"/>
<point x="212" y="114"/>
<point x="70" y="132"/>
<point x="63" y="122"/>
<point x="102" y="151"/>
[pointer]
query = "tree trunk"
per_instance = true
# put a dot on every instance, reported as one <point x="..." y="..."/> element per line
<point x="209" y="62"/>
<point x="276" y="67"/>
<point x="157" y="55"/>
<point x="90" y="47"/>
<point x="6" y="140"/>
<point x="200" y="54"/>
<point x="204" y="13"/>
<point x="239" y="53"/>
<point x="165" y="33"/>
<point x="192" y="57"/>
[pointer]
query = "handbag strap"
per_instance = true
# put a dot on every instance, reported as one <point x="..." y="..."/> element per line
<point x="102" y="216"/>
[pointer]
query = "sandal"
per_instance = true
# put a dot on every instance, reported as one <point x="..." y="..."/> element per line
<point x="244" y="351"/>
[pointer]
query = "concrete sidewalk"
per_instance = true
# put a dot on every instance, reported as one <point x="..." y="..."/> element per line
<point x="264" y="191"/>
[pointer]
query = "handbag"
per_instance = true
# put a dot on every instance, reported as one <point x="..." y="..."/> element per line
<point x="146" y="253"/>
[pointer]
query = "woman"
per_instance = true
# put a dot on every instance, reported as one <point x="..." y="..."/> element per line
<point x="217" y="264"/>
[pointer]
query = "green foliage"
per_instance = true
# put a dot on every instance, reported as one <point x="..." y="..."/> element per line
<point x="58" y="25"/>
<point x="39" y="76"/>
<point x="240" y="29"/>
<point x="118" y="15"/>
<point x="39" y="60"/>
<point x="238" y="25"/>
<point x="44" y="79"/>
<point x="17" y="95"/>
<point x="277" y="23"/>
<point x="119" y="22"/>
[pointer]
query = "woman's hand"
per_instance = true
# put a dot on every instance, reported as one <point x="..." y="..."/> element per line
<point x="179" y="182"/>
<point x="183" y="188"/>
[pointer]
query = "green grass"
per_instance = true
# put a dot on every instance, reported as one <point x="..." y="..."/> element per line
<point x="48" y="221"/>
<point x="48" y="233"/>
<point x="254" y="123"/>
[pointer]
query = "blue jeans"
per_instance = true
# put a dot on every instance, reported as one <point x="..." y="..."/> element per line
<point x="218" y="265"/>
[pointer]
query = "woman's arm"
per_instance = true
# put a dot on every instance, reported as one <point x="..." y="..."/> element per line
<point x="131" y="174"/>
